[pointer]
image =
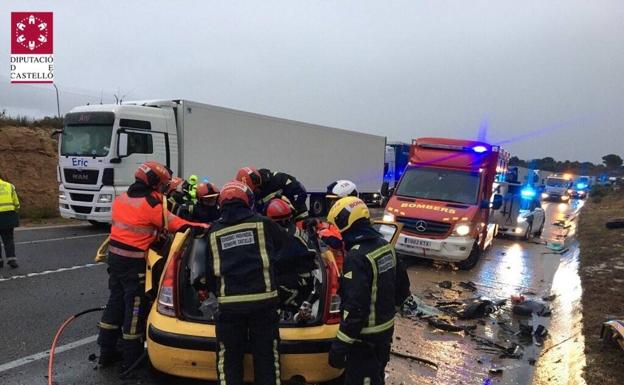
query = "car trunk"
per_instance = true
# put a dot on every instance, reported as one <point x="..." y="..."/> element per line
<point x="196" y="305"/>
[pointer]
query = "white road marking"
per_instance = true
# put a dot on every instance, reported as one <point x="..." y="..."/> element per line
<point x="35" y="241"/>
<point x="46" y="272"/>
<point x="51" y="227"/>
<point x="37" y="356"/>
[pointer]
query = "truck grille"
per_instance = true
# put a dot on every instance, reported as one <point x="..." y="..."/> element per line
<point x="424" y="227"/>
<point x="81" y="197"/>
<point x="82" y="209"/>
<point x="73" y="175"/>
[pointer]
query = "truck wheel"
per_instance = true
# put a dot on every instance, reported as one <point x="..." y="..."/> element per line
<point x="317" y="205"/>
<point x="472" y="259"/>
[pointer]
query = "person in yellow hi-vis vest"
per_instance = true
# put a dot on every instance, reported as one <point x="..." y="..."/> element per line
<point x="9" y="204"/>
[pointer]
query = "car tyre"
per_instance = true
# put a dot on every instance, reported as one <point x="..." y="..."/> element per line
<point x="318" y="206"/>
<point x="473" y="258"/>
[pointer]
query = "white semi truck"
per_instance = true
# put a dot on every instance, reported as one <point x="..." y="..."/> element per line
<point x="101" y="146"/>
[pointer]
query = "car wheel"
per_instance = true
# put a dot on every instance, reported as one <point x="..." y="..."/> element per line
<point x="528" y="233"/>
<point x="317" y="205"/>
<point x="473" y="258"/>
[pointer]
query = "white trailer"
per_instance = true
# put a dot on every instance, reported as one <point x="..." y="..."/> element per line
<point x="102" y="145"/>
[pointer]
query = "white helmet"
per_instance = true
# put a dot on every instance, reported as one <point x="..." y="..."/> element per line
<point x="342" y="188"/>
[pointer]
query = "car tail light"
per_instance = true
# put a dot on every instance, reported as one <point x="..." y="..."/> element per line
<point x="167" y="300"/>
<point x="332" y="299"/>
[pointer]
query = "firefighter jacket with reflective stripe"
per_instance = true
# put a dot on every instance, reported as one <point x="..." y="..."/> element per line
<point x="241" y="254"/>
<point x="371" y="285"/>
<point x="283" y="184"/>
<point x="137" y="218"/>
<point x="297" y="256"/>
<point x="9" y="204"/>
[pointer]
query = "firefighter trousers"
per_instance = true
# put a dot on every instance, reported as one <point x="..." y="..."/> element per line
<point x="366" y="362"/>
<point x="125" y="312"/>
<point x="258" y="330"/>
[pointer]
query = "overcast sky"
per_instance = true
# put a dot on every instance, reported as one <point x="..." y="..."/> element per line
<point x="545" y="75"/>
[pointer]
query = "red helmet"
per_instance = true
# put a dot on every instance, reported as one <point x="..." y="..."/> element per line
<point x="174" y="184"/>
<point x="250" y="176"/>
<point x="236" y="190"/>
<point x="279" y="210"/>
<point x="207" y="190"/>
<point x="153" y="174"/>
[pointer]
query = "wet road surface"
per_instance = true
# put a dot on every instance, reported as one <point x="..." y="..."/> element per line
<point x="57" y="278"/>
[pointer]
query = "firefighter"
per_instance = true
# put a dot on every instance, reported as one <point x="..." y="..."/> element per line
<point x="372" y="284"/>
<point x="206" y="209"/>
<point x="340" y="189"/>
<point x="268" y="185"/>
<point x="137" y="218"/>
<point x="176" y="196"/>
<point x="242" y="248"/>
<point x="192" y="187"/>
<point x="9" y="219"/>
<point x="295" y="261"/>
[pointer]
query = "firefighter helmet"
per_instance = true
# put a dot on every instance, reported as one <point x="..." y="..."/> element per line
<point x="236" y="190"/>
<point x="342" y="188"/>
<point x="346" y="211"/>
<point x="279" y="210"/>
<point x="207" y="190"/>
<point x="250" y="176"/>
<point x="153" y="174"/>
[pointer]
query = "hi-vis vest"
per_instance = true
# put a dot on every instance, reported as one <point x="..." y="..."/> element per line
<point x="241" y="263"/>
<point x="8" y="197"/>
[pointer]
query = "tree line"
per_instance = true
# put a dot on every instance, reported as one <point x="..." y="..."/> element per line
<point x="611" y="165"/>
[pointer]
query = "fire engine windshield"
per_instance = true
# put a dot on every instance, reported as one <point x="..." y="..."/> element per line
<point x="86" y="140"/>
<point x="441" y="185"/>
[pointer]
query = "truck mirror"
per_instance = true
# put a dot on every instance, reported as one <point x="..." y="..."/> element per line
<point x="384" y="189"/>
<point x="55" y="133"/>
<point x="497" y="201"/>
<point x="389" y="230"/>
<point x="122" y="145"/>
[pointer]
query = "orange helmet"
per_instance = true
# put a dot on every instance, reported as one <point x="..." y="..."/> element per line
<point x="279" y="210"/>
<point x="250" y="176"/>
<point x="153" y="174"/>
<point x="174" y="184"/>
<point x="207" y="190"/>
<point x="236" y="190"/>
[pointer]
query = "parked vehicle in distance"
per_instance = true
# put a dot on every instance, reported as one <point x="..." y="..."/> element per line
<point x="397" y="157"/>
<point x="557" y="188"/>
<point x="102" y="145"/>
<point x="445" y="197"/>
<point x="580" y="187"/>
<point x="521" y="214"/>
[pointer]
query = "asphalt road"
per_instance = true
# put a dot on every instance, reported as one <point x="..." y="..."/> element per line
<point x="57" y="278"/>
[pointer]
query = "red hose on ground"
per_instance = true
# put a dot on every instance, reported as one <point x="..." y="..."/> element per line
<point x="58" y="334"/>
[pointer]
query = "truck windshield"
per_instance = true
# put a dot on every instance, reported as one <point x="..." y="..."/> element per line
<point x="86" y="140"/>
<point x="441" y="185"/>
<point x="557" y="182"/>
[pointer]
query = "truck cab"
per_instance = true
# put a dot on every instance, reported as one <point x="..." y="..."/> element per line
<point x="100" y="148"/>
<point x="444" y="199"/>
<point x="557" y="188"/>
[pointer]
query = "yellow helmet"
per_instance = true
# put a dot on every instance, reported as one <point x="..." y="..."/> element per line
<point x="346" y="211"/>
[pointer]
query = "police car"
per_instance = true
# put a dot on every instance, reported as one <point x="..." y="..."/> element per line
<point x="181" y="338"/>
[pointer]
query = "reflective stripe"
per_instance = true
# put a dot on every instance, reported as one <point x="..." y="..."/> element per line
<point x="304" y="214"/>
<point x="265" y="257"/>
<point x="216" y="262"/>
<point x="221" y="364"/>
<point x="149" y="230"/>
<point x="11" y="259"/>
<point x="379" y="328"/>
<point x="104" y="325"/>
<point x="373" y="303"/>
<point x="126" y="253"/>
<point x="367" y="381"/>
<point x="277" y="363"/>
<point x="6" y="204"/>
<point x="131" y="336"/>
<point x="135" y="315"/>
<point x="271" y="196"/>
<point x="247" y="297"/>
<point x="345" y="338"/>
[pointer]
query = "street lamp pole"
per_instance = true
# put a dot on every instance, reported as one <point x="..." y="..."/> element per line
<point x="58" y="105"/>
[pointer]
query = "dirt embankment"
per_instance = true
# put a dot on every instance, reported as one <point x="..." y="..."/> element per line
<point x="602" y="276"/>
<point x="28" y="159"/>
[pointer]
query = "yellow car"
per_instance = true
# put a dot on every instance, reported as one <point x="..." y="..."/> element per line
<point x="180" y="330"/>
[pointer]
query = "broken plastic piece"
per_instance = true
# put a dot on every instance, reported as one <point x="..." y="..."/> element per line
<point x="468" y="285"/>
<point x="528" y="307"/>
<point x="445" y="284"/>
<point x="449" y="327"/>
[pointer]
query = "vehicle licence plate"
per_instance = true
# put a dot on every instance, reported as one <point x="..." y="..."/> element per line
<point x="412" y="243"/>
<point x="82" y="217"/>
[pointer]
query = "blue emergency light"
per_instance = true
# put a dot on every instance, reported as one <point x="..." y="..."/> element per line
<point x="581" y="186"/>
<point x="479" y="149"/>
<point x="527" y="193"/>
